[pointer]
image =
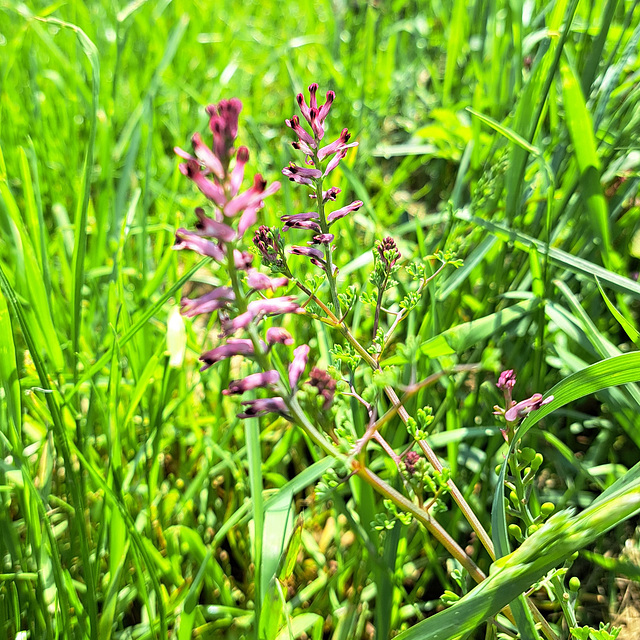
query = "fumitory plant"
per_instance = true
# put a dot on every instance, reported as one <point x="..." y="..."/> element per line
<point x="355" y="388"/>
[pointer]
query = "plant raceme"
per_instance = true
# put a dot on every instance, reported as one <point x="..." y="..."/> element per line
<point x="247" y="300"/>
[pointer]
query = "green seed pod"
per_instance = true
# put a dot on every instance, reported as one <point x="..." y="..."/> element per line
<point x="516" y="532"/>
<point x="513" y="496"/>
<point x="537" y="461"/>
<point x="574" y="584"/>
<point x="527" y="455"/>
<point x="532" y="529"/>
<point x="547" y="508"/>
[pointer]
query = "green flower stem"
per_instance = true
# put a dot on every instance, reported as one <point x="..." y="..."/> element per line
<point x="522" y="503"/>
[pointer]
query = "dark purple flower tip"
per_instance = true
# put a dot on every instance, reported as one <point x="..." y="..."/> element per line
<point x="262" y="406"/>
<point x="253" y="381"/>
<point x="307" y="141"/>
<point x="233" y="347"/>
<point x="507" y="380"/>
<point x="309" y="225"/>
<point x="323" y="238"/>
<point x="388" y="252"/>
<point x="278" y="335"/>
<point x="325" y="385"/>
<point x="298" y="364"/>
<point x="188" y="240"/>
<point x="410" y="461"/>
<point x="215" y="299"/>
<point x="525" y="407"/>
<point x="260" y="281"/>
<point x="266" y="241"/>
<point x="341" y="213"/>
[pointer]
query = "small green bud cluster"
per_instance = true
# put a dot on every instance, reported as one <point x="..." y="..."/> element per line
<point x="387" y="520"/>
<point x="419" y="429"/>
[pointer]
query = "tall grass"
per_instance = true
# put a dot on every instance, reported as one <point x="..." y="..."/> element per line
<point x="133" y="503"/>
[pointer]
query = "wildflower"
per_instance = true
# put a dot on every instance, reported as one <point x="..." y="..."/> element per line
<point x="313" y="114"/>
<point x="410" y="461"/>
<point x="329" y="194"/>
<point x="325" y="385"/>
<point x="253" y="381"/>
<point x="262" y="406"/>
<point x="298" y="365"/>
<point x="507" y="380"/>
<point x="323" y="238"/>
<point x="233" y="347"/>
<point x="216" y="299"/>
<point x="260" y="281"/>
<point x="341" y="213"/>
<point x="338" y="145"/>
<point x="279" y="335"/>
<point x="212" y="228"/>
<point x="189" y="240"/>
<point x="301" y="175"/>
<point x="269" y="244"/>
<point x="525" y="407"/>
<point x="388" y="252"/>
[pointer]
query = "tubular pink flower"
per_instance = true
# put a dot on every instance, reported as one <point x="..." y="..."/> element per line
<point x="301" y="175"/>
<point x="248" y="218"/>
<point x="264" y="306"/>
<point x="307" y="251"/>
<point x="253" y="381"/>
<point x="302" y="224"/>
<point x="242" y="259"/>
<point x="323" y="238"/>
<point x="525" y="407"/>
<point x="187" y="240"/>
<point x="209" y="189"/>
<point x="323" y="112"/>
<point x="212" y="228"/>
<point x="215" y="299"/>
<point x="337" y="145"/>
<point x="507" y="380"/>
<point x="299" y="217"/>
<point x="335" y="161"/>
<point x="298" y="365"/>
<point x="233" y="347"/>
<point x="237" y="175"/>
<point x="329" y="194"/>
<point x="341" y="213"/>
<point x="305" y="138"/>
<point x="251" y="197"/>
<point x="262" y="406"/>
<point x="260" y="281"/>
<point x="278" y="335"/>
<point x="206" y="156"/>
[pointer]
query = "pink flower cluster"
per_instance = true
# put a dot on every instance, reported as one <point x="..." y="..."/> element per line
<point x="322" y="160"/>
<point x="218" y="172"/>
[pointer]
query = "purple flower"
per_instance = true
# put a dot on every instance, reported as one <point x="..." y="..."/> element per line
<point x="309" y="225"/>
<point x="301" y="175"/>
<point x="525" y="407"/>
<point x="507" y="380"/>
<point x="253" y="381"/>
<point x="212" y="228"/>
<point x="210" y="189"/>
<point x="313" y="114"/>
<point x="233" y="347"/>
<point x="242" y="259"/>
<point x="329" y="194"/>
<point x="338" y="145"/>
<point x="278" y="335"/>
<point x="267" y="242"/>
<point x="260" y="281"/>
<point x="325" y="385"/>
<point x="388" y="252"/>
<point x="215" y="299"/>
<point x="260" y="407"/>
<point x="335" y="161"/>
<point x="341" y="213"/>
<point x="306" y="251"/>
<point x="323" y="238"/>
<point x="265" y="306"/>
<point x="297" y="366"/>
<point x="223" y="123"/>
<point x="410" y="462"/>
<point x="305" y="138"/>
<point x="189" y="240"/>
<point x="206" y="156"/>
<point x="250" y="197"/>
<point x="237" y="175"/>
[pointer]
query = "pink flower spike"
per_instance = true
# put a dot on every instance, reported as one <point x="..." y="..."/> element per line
<point x="212" y="228"/>
<point x="341" y="213"/>
<point x="206" y="156"/>
<point x="507" y="380"/>
<point x="525" y="407"/>
<point x="233" y="347"/>
<point x="298" y="365"/>
<point x="237" y="175"/>
<point x="313" y="88"/>
<point x="253" y="381"/>
<point x="215" y="299"/>
<point x="188" y="240"/>
<point x="224" y="126"/>
<point x="335" y="161"/>
<point x="265" y="306"/>
<point x="261" y="406"/>
<point x="278" y="335"/>
<point x="260" y="281"/>
<point x="210" y="189"/>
